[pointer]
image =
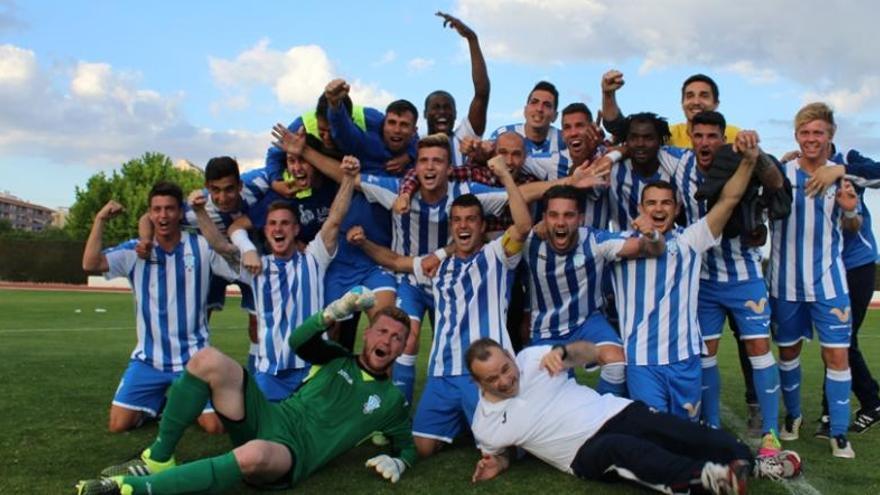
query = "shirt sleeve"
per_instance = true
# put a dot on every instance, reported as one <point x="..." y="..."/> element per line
<point x="318" y="250"/>
<point x="607" y="245"/>
<point x="420" y="276"/>
<point x="699" y="237"/>
<point x="497" y="246"/>
<point x="220" y="266"/>
<point x="493" y="199"/>
<point x="120" y="259"/>
<point x="399" y="430"/>
<point x="378" y="189"/>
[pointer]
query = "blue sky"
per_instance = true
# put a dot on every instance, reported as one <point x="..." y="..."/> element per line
<point x="85" y="86"/>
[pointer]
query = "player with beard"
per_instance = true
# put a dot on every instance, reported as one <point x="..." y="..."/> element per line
<point x="344" y="400"/>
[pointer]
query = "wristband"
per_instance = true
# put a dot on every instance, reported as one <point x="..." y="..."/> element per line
<point x="851" y="214"/>
<point x="240" y="239"/>
<point x="564" y="350"/>
<point x="441" y="254"/>
<point x="614" y="155"/>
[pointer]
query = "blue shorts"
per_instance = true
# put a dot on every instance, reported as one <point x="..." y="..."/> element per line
<point x="142" y="388"/>
<point x="340" y="278"/>
<point x="414" y="300"/>
<point x="671" y="388"/>
<point x="793" y="321"/>
<point x="217" y="294"/>
<point x="595" y="329"/>
<point x="746" y="301"/>
<point x="281" y="386"/>
<point x="446" y="407"/>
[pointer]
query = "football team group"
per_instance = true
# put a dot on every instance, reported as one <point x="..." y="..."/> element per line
<point x="618" y="243"/>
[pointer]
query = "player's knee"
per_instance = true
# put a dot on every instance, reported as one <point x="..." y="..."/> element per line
<point x="789" y="353"/>
<point x="120" y="423"/>
<point x="836" y="358"/>
<point x="426" y="447"/>
<point x="757" y="347"/>
<point x="711" y="347"/>
<point x="211" y="424"/>
<point x="205" y="362"/>
<point x="253" y="457"/>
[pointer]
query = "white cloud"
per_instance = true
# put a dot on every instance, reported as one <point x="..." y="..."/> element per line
<point x="386" y="58"/>
<point x="297" y="77"/>
<point x="420" y="64"/>
<point x="846" y="100"/>
<point x="91" y="113"/>
<point x="817" y="44"/>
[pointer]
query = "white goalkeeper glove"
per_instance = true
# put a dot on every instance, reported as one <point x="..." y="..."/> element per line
<point x="389" y="467"/>
<point x="357" y="299"/>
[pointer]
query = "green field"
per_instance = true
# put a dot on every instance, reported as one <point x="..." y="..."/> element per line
<point x="60" y="368"/>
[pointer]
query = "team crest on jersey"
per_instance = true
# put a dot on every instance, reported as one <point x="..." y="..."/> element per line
<point x="757" y="306"/>
<point x="579" y="260"/>
<point x="189" y="262"/>
<point x="672" y="247"/>
<point x="372" y="403"/>
<point x="841" y="314"/>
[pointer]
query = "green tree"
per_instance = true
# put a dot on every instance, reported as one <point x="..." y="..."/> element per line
<point x="130" y="186"/>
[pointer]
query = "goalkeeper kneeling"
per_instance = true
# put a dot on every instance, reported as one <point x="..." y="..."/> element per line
<point x="345" y="399"/>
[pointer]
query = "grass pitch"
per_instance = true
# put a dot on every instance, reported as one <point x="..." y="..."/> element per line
<point x="61" y="360"/>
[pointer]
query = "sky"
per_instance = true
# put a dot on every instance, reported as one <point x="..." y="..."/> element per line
<point x="86" y="86"/>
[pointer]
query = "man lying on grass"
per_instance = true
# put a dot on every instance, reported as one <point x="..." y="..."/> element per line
<point x="345" y="399"/>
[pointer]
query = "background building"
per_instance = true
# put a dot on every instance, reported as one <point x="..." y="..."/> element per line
<point x="23" y="215"/>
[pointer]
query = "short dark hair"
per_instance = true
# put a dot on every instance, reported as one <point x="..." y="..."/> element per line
<point x="466" y="201"/>
<point x="659" y="123"/>
<point x="479" y="351"/>
<point x="280" y="204"/>
<point x="401" y="107"/>
<point x="220" y="167"/>
<point x="166" y="188"/>
<point x="701" y="78"/>
<point x="577" y="107"/>
<point x="548" y="87"/>
<point x="710" y="117"/>
<point x="564" y="192"/>
<point x="659" y="184"/>
<point x="323" y="105"/>
<point x="394" y="313"/>
<point x="439" y="92"/>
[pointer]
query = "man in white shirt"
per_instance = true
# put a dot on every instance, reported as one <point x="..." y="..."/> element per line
<point x="530" y="403"/>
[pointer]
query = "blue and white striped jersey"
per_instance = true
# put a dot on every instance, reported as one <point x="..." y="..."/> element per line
<point x="287" y="292"/>
<point x="565" y="288"/>
<point x="656" y="298"/>
<point x="543" y="160"/>
<point x="730" y="261"/>
<point x="860" y="248"/>
<point x="624" y="193"/>
<point x="255" y="184"/>
<point x="805" y="257"/>
<point x="170" y="292"/>
<point x="464" y="130"/>
<point x="470" y="302"/>
<point x="425" y="228"/>
<point x="221" y="219"/>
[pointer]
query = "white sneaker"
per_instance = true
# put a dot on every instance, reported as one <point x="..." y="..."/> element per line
<point x="791" y="428"/>
<point x="840" y="447"/>
<point x="785" y="464"/>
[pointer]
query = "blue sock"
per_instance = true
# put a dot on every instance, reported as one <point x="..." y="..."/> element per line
<point x="711" y="391"/>
<point x="790" y="379"/>
<point x="403" y="374"/>
<point x="837" y="387"/>
<point x="766" y="376"/>
<point x="612" y="380"/>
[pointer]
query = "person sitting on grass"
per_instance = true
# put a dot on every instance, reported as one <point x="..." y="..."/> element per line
<point x="345" y="399"/>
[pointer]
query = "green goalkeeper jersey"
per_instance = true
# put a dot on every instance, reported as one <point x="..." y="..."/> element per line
<point x="340" y="404"/>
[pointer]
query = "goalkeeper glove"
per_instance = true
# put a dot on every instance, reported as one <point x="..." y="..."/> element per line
<point x="389" y="467"/>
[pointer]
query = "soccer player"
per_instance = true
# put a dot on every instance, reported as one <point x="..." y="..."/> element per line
<point x="656" y="298"/>
<point x="565" y="277"/>
<point x="732" y="283"/>
<point x="440" y="111"/>
<point x="807" y="279"/>
<point x="228" y="200"/>
<point x="288" y="285"/>
<point x="471" y="289"/>
<point x="544" y="143"/>
<point x="530" y="403"/>
<point x="344" y="400"/>
<point x="699" y="93"/>
<point x="583" y="145"/>
<point x="171" y="291"/>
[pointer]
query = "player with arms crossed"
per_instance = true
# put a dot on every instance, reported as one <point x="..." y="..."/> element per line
<point x="530" y="403"/>
<point x="170" y="291"/>
<point x="344" y="400"/>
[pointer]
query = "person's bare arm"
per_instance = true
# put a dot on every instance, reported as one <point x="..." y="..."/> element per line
<point x="611" y="82"/>
<point x="733" y="190"/>
<point x="519" y="210"/>
<point x="378" y="253"/>
<point x="567" y="356"/>
<point x="848" y="200"/>
<point x="295" y="143"/>
<point x="489" y="466"/>
<point x="768" y="173"/>
<point x="207" y="227"/>
<point x="479" y="73"/>
<point x="145" y="237"/>
<point x="94" y="260"/>
<point x="330" y="230"/>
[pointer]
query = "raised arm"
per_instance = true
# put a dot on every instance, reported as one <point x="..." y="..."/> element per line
<point x="295" y="143"/>
<point x="207" y="227"/>
<point x="330" y="230"/>
<point x="380" y="254"/>
<point x="479" y="74"/>
<point x="566" y="356"/>
<point x="94" y="260"/>
<point x="747" y="144"/>
<point x="519" y="210"/>
<point x="848" y="200"/>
